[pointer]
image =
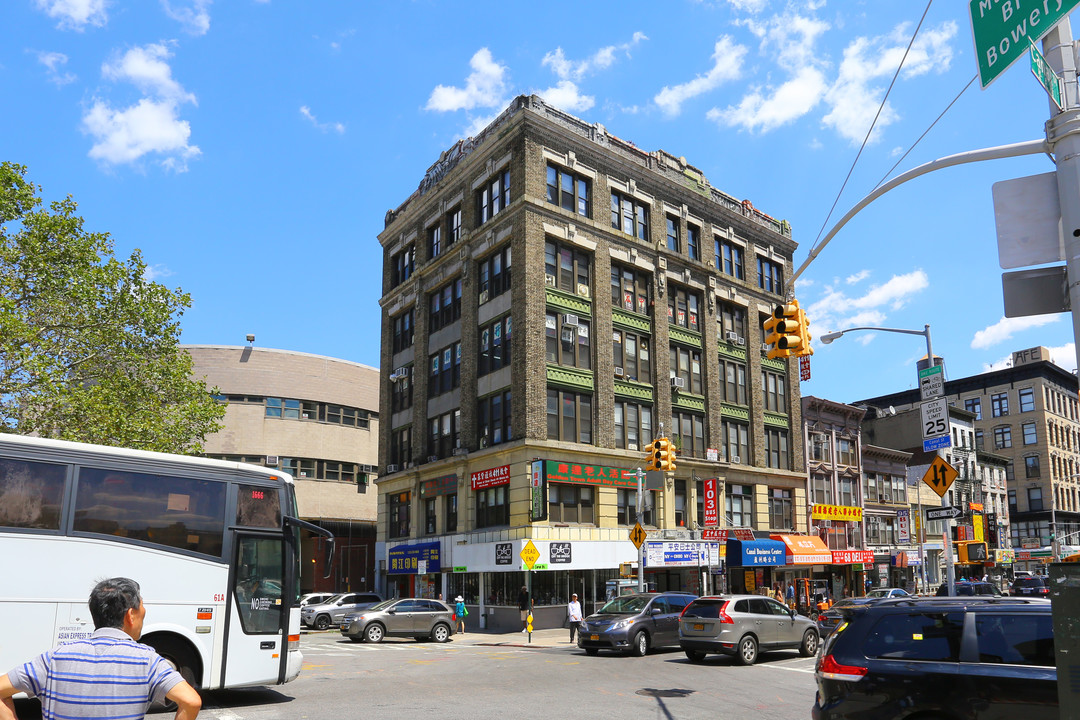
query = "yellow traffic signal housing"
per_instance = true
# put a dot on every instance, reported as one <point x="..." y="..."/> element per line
<point x="651" y="456"/>
<point x="783" y="331"/>
<point x="662" y="455"/>
<point x="669" y="458"/>
<point x="971" y="552"/>
<point x="804" y="334"/>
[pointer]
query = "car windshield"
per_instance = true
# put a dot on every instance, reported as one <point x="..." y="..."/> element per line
<point x="885" y="592"/>
<point x="383" y="605"/>
<point x="626" y="605"/>
<point x="332" y="599"/>
<point x="1029" y="582"/>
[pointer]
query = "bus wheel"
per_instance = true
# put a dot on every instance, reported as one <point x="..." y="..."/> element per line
<point x="180" y="657"/>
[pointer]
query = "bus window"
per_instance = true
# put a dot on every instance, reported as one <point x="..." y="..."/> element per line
<point x="258" y="584"/>
<point x="175" y="512"/>
<point x="31" y="494"/>
<point x="258" y="506"/>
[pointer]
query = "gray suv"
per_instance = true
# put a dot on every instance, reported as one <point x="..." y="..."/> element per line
<point x="334" y="610"/>
<point x="634" y="623"/>
<point x="743" y="626"/>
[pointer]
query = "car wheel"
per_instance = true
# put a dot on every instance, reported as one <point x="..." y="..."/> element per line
<point x="592" y="651"/>
<point x="374" y="633"/>
<point x="322" y="622"/>
<point x="695" y="655"/>
<point x="748" y="651"/>
<point x="440" y="633"/>
<point x="640" y="645"/>
<point x="180" y="659"/>
<point x="809" y="644"/>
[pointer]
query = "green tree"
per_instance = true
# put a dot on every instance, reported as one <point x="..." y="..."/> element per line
<point x="89" y="347"/>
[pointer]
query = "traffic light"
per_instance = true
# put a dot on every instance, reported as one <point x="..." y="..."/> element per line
<point x="652" y="456"/>
<point x="782" y="331"/>
<point x="664" y="455"/>
<point x="668" y="462"/>
<point x="804" y="333"/>
<point x="971" y="552"/>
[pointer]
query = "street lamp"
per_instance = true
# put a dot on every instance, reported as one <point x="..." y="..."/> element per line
<point x="829" y="337"/>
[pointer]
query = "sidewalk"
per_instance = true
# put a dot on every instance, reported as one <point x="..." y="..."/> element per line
<point x="547" y="638"/>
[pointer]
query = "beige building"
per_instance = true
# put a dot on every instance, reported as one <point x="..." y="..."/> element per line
<point x="316" y="418"/>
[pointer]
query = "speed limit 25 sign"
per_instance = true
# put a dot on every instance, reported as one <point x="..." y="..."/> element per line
<point x="935" y="424"/>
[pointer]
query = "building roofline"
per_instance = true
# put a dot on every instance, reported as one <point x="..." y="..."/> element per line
<point x="277" y="351"/>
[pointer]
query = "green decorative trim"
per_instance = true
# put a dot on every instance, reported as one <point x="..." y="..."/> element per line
<point x="633" y="389"/>
<point x="684" y="336"/>
<point x="570" y="377"/>
<point x="736" y="412"/>
<point x="568" y="302"/>
<point x="775" y="419"/>
<point x="773" y="364"/>
<point x="688" y="401"/>
<point x="630" y="321"/>
<point x="731" y="350"/>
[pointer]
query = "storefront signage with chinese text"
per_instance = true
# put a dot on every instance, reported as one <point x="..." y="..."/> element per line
<point x="837" y="512"/>
<point x="490" y="478"/>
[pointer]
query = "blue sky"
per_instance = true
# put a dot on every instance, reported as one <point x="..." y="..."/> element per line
<point x="251" y="148"/>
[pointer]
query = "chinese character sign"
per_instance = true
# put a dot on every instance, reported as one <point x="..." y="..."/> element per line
<point x="711" y="513"/>
<point x="837" y="512"/>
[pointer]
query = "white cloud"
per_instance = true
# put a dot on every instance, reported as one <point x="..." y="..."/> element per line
<point x="325" y="127"/>
<point x="150" y="126"/>
<point x="566" y="96"/>
<point x="602" y="59"/>
<point x="76" y="14"/>
<point x="485" y="87"/>
<point x="787" y="103"/>
<point x="53" y="61"/>
<point x="835" y="310"/>
<point x="1064" y="356"/>
<point x="195" y="19"/>
<point x="156" y="272"/>
<point x="727" y="65"/>
<point x="1005" y="328"/>
<point x="857" y="277"/>
<point x="751" y="6"/>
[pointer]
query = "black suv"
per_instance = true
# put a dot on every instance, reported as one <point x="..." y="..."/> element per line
<point x="970" y="588"/>
<point x="1033" y="586"/>
<point x="953" y="657"/>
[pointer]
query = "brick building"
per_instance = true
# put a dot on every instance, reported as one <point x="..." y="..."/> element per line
<point x="553" y="299"/>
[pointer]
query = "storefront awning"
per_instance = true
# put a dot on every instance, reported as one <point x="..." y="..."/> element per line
<point x="805" y="550"/>
<point x="755" y="553"/>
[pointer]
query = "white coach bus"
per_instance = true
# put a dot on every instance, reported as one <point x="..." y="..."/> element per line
<point x="214" y="545"/>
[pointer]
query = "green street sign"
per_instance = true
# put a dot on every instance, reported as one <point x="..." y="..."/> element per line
<point x="1002" y="28"/>
<point x="1046" y="75"/>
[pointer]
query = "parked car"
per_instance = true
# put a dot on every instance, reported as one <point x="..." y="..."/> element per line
<point x="317" y="598"/>
<point x="887" y="592"/>
<point x="827" y="620"/>
<point x="1033" y="585"/>
<point x="634" y="623"/>
<point x="743" y="626"/>
<point x="334" y="610"/>
<point x="970" y="589"/>
<point x="957" y="657"/>
<point x="417" y="618"/>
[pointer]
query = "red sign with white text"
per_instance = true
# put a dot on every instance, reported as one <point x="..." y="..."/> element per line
<point x="844" y="557"/>
<point x="712" y="518"/>
<point x="490" y="478"/>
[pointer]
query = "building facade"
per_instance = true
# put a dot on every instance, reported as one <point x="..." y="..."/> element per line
<point x="554" y="298"/>
<point x="316" y="418"/>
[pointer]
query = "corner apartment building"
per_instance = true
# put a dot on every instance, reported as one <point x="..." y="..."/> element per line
<point x="553" y="299"/>
<point x="317" y="419"/>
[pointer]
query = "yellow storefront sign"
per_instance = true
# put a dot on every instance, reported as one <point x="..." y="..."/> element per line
<point x="837" y="512"/>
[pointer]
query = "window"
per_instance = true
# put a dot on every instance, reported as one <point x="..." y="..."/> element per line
<point x="680" y="503"/>
<point x="399" y="515"/>
<point x="979" y="441"/>
<point x="434" y="241"/>
<point x="693" y="241"/>
<point x="401" y="446"/>
<point x="673" y="243"/>
<point x="569" y="266"/>
<point x="1019" y="639"/>
<point x="974" y="405"/>
<point x="770" y="276"/>
<point x="686" y="365"/>
<point x="290" y="409"/>
<point x="933" y="636"/>
<point x="629" y="215"/>
<point x="570" y="503"/>
<point x="899" y="489"/>
<point x="401" y="392"/>
<point x="1027" y="400"/>
<point x="33" y="492"/>
<point x="732" y="319"/>
<point x="444" y="306"/>
<point x="429" y="516"/>
<point x="567" y="340"/>
<point x="821" y="448"/>
<point x="493" y="419"/>
<point x="344" y="415"/>
<point x="736" y="444"/>
<point x="733" y="381"/>
<point x="1031" y="466"/>
<point x="494" y="275"/>
<point x="729" y="259"/>
<point x="629" y="290"/>
<point x="683" y="308"/>
<point x="630" y="352"/>
<point x="776" y="448"/>
<point x="494" y="346"/>
<point x="780" y="508"/>
<point x="443" y="434"/>
<point x="569" y="416"/>
<point x="445" y="370"/>
<point x="848" y="496"/>
<point x="568" y="191"/>
<point x="450" y="508"/>
<point x="774" y="392"/>
<point x="492" y="506"/>
<point x="1030" y="436"/>
<point x="633" y="425"/>
<point x="453" y="224"/>
<point x="999" y="404"/>
<point x="1002" y="437"/>
<point x="494" y="196"/>
<point x="403" y="331"/>
<point x="821" y="490"/>
<point x="689" y="429"/>
<point x="402" y="265"/>
<point x="845" y="452"/>
<point x="628" y="508"/>
<point x="739" y="505"/>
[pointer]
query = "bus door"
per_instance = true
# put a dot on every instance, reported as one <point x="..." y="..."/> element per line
<point x="256" y="638"/>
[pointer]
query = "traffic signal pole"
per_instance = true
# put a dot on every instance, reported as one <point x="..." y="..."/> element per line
<point x="641" y="549"/>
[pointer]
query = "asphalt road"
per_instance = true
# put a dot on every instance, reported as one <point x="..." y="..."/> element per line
<point x="472" y="681"/>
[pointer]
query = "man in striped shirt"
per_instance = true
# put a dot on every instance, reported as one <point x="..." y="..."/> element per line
<point x="108" y="676"/>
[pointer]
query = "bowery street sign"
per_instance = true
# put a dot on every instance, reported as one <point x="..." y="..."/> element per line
<point x="1001" y="29"/>
<point x="950" y="513"/>
<point x="1045" y="75"/>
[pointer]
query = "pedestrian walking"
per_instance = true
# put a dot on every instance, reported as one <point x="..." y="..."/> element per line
<point x="460" y="611"/>
<point x="108" y="674"/>
<point x="523" y="606"/>
<point x="573" y="614"/>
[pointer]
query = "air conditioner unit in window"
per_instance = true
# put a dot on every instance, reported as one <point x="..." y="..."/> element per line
<point x="764" y="347"/>
<point x="483" y="297"/>
<point x="392" y="468"/>
<point x="367" y="469"/>
<point x="740" y="340"/>
<point x="736" y="459"/>
<point x="408" y="465"/>
<point x="583" y="290"/>
<point x="619" y="372"/>
<point x="432" y="458"/>
<point x="678" y="383"/>
<point x="549" y="280"/>
<point x="483" y="442"/>
<point x="571" y="320"/>
<point x="732" y="336"/>
<point x="272" y="460"/>
<point x="461" y="451"/>
<point x="632" y="447"/>
<point x="886" y="498"/>
<point x="402" y="372"/>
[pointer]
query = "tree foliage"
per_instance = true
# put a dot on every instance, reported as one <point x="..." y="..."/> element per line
<point x="89" y="346"/>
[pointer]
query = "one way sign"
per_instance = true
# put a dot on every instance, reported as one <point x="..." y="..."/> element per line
<point x="945" y="513"/>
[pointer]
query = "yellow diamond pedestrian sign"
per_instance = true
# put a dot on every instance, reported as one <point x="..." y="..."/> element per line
<point x="637" y="535"/>
<point x="940" y="475"/>
<point x="529" y="554"/>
